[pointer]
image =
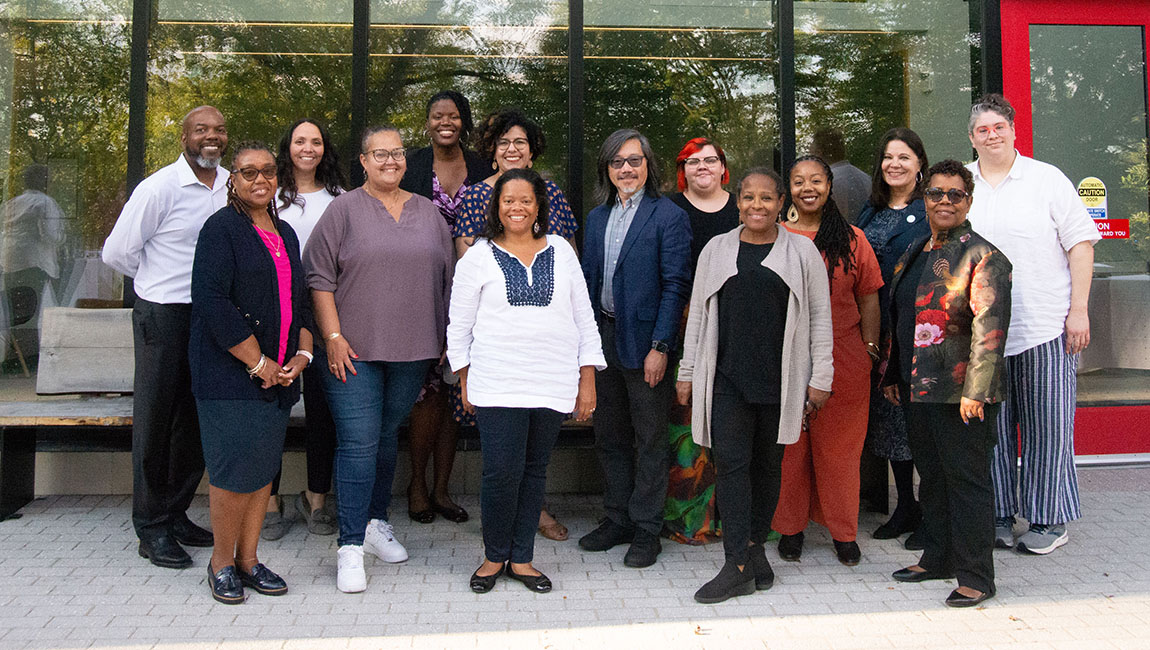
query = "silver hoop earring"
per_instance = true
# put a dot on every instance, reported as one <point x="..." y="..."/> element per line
<point x="536" y="228"/>
<point x="918" y="177"/>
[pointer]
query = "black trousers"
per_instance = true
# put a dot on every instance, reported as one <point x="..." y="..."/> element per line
<point x="319" y="441"/>
<point x="956" y="492"/>
<point x="167" y="458"/>
<point x="631" y="421"/>
<point x="748" y="470"/>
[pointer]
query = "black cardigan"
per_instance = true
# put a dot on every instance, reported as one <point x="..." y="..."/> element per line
<point x="417" y="179"/>
<point x="235" y="294"/>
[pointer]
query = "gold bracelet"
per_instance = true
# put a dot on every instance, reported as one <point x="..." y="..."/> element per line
<point x="333" y="336"/>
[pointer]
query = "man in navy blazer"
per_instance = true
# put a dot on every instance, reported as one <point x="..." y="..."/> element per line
<point x="636" y="259"/>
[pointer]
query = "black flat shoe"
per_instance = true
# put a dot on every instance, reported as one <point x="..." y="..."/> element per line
<point x="540" y="584"/>
<point x="225" y="585"/>
<point x="914" y="542"/>
<point x="791" y="547"/>
<point x="164" y="551"/>
<point x="189" y="534"/>
<point x="955" y="599"/>
<point x="450" y="513"/>
<point x="483" y="584"/>
<point x="848" y="552"/>
<point x="263" y="580"/>
<point x="425" y="516"/>
<point x="899" y="524"/>
<point x="729" y="583"/>
<point x="608" y="535"/>
<point x="907" y="575"/>
<point x="761" y="567"/>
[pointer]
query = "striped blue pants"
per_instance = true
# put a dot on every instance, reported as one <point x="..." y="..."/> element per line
<point x="1041" y="391"/>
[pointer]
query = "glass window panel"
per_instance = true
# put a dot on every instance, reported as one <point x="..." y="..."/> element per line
<point x="496" y="54"/>
<point x="1088" y="87"/>
<point x="676" y="72"/>
<point x="63" y="138"/>
<point x="863" y="67"/>
<point x="262" y="69"/>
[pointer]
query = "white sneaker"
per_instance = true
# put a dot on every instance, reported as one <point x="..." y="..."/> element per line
<point x="379" y="540"/>
<point x="351" y="577"/>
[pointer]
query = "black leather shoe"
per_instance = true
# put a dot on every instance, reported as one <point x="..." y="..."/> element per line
<point x="263" y="580"/>
<point x="848" y="552"/>
<point x="189" y="534"/>
<point x="450" y="513"/>
<point x="791" y="547"/>
<point x="907" y="575"/>
<point x="645" y="549"/>
<point x="483" y="584"/>
<point x="540" y="584"/>
<point x="761" y="567"/>
<point x="955" y="599"/>
<point x="225" y="585"/>
<point x="729" y="583"/>
<point x="608" y="535"/>
<point x="165" y="552"/>
<point x="901" y="522"/>
<point x="914" y="542"/>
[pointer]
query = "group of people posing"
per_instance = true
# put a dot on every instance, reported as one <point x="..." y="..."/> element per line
<point x="447" y="289"/>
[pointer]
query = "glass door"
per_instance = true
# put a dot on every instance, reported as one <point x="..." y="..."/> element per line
<point x="1077" y="74"/>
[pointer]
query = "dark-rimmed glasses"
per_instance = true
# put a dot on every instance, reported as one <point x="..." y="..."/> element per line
<point x="633" y="161"/>
<point x="249" y="173"/>
<point x="709" y="161"/>
<point x="935" y="194"/>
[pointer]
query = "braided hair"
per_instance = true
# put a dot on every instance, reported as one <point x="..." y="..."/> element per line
<point x="234" y="200"/>
<point x="835" y="236"/>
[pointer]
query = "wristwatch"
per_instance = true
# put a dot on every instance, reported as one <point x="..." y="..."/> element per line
<point x="660" y="346"/>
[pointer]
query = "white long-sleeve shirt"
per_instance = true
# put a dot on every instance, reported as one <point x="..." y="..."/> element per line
<point x="524" y="330"/>
<point x="154" y="239"/>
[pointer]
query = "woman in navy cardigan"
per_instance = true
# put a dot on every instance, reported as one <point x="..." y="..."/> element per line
<point x="248" y="345"/>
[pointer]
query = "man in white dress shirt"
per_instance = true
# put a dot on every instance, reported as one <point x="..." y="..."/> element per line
<point x="1031" y="211"/>
<point x="154" y="241"/>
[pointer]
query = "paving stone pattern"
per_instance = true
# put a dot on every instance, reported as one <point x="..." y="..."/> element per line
<point x="70" y="578"/>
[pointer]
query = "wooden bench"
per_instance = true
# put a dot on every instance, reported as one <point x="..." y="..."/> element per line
<point x="84" y="381"/>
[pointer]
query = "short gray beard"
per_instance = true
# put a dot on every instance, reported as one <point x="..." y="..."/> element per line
<point x="207" y="163"/>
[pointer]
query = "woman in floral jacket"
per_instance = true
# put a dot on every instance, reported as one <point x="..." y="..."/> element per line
<point x="950" y="309"/>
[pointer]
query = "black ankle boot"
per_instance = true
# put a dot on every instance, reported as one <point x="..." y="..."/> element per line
<point x="760" y="567"/>
<point x="729" y="583"/>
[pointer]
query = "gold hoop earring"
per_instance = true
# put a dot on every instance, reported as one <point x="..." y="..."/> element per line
<point x="792" y="215"/>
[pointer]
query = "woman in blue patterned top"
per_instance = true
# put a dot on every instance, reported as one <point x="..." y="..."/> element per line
<point x="522" y="337"/>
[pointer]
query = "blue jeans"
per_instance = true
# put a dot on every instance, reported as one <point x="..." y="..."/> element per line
<point x="516" y="445"/>
<point x="368" y="410"/>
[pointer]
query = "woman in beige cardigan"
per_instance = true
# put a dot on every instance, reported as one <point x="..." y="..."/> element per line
<point x="756" y="364"/>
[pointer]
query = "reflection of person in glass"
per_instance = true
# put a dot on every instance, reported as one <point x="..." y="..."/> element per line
<point x="852" y="185"/>
<point x="249" y="343"/>
<point x="1032" y="212"/>
<point x="379" y="265"/>
<point x="636" y="259"/>
<point x="154" y="242"/>
<point x="512" y="141"/>
<point x="33" y="230"/>
<point x="523" y="340"/>
<point x="309" y="176"/>
<point x="442" y="172"/>
<point x="821" y="470"/>
<point x="756" y="356"/>
<point x="950" y="309"/>
<point x="892" y="218"/>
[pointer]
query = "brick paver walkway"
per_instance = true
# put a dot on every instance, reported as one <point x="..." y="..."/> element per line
<point x="70" y="578"/>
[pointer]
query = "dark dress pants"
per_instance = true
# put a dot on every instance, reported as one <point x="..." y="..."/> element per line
<point x="167" y="457"/>
<point x="955" y="490"/>
<point x="748" y="470"/>
<point x="631" y="421"/>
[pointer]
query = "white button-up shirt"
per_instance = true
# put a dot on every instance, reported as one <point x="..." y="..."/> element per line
<point x="154" y="239"/>
<point x="1034" y="216"/>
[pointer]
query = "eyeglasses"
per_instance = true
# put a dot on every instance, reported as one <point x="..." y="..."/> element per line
<point x="249" y="173"/>
<point x="381" y="155"/>
<point x="695" y="162"/>
<point x="633" y="161"/>
<point x="935" y="194"/>
<point x="503" y="143"/>
<point x="984" y="131"/>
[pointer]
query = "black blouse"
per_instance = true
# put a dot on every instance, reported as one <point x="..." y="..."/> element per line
<point x="752" y="317"/>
